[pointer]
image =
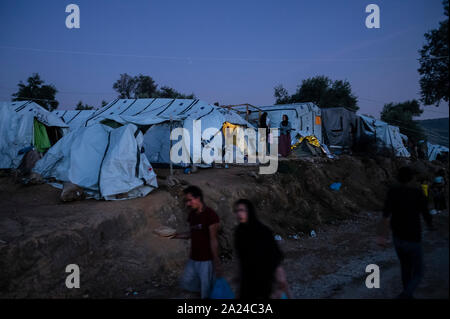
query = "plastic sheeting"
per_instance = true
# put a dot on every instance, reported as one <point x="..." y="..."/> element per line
<point x="387" y="135"/>
<point x="214" y="121"/>
<point x="157" y="143"/>
<point x="38" y="112"/>
<point x="105" y="162"/>
<point x="339" y="126"/>
<point x="434" y="150"/>
<point x="125" y="169"/>
<point x="150" y="111"/>
<point x="16" y="133"/>
<point x="17" y="129"/>
<point x="74" y="118"/>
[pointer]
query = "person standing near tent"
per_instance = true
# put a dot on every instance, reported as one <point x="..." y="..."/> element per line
<point x="285" y="136"/>
<point x="404" y="204"/>
<point x="204" y="263"/>
<point x="264" y="122"/>
<point x="261" y="273"/>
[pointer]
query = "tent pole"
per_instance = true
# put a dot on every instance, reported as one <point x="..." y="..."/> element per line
<point x="170" y="160"/>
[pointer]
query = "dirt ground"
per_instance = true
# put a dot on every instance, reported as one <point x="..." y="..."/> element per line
<point x="120" y="257"/>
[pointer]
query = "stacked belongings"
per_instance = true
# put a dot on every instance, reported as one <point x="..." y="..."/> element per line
<point x="307" y="146"/>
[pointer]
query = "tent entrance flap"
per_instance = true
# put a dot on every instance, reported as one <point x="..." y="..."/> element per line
<point x="41" y="140"/>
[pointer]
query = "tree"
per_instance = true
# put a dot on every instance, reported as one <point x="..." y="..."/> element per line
<point x="143" y="86"/>
<point x="35" y="90"/>
<point x="434" y="64"/>
<point x="169" y="93"/>
<point x="125" y="86"/>
<point x="281" y="95"/>
<point x="104" y="103"/>
<point x="321" y="91"/>
<point x="80" y="106"/>
<point x="401" y="115"/>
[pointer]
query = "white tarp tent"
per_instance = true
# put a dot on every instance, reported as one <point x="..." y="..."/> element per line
<point x="106" y="162"/>
<point x="157" y="116"/>
<point x="74" y="118"/>
<point x="305" y="118"/>
<point x="387" y="135"/>
<point x="17" y="129"/>
<point x="434" y="150"/>
<point x="38" y="112"/>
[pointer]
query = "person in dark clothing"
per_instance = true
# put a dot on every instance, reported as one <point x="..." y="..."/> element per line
<point x="285" y="136"/>
<point x="264" y="122"/>
<point x="404" y="204"/>
<point x="259" y="255"/>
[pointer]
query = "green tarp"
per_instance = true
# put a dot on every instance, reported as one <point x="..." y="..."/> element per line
<point x="41" y="140"/>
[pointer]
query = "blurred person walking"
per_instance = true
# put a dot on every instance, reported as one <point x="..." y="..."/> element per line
<point x="261" y="273"/>
<point x="204" y="263"/>
<point x="404" y="204"/>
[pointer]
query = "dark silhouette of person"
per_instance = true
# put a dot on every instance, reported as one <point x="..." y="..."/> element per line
<point x="259" y="255"/>
<point x="404" y="204"/>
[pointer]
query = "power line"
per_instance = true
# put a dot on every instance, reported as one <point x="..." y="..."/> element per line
<point x="190" y="59"/>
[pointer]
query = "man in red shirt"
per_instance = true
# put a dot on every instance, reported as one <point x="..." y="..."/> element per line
<point x="204" y="262"/>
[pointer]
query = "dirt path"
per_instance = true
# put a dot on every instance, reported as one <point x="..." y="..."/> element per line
<point x="332" y="265"/>
<point x="337" y="264"/>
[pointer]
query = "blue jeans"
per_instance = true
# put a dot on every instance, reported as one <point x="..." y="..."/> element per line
<point x="410" y="255"/>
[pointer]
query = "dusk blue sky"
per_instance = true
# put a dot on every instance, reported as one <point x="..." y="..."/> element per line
<point x="227" y="51"/>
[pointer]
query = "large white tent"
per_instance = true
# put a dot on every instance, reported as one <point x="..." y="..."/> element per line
<point x="74" y="118"/>
<point x="19" y="122"/>
<point x="158" y="116"/>
<point x="108" y="163"/>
